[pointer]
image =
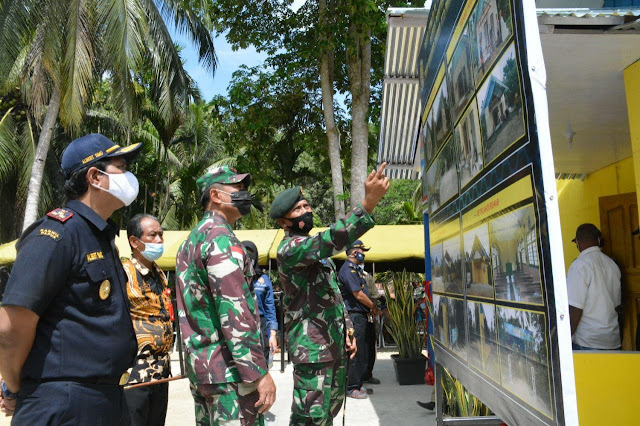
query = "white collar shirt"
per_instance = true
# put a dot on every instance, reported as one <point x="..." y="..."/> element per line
<point x="593" y="285"/>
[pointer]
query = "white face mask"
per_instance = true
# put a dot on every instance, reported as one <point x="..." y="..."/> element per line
<point x="123" y="186"/>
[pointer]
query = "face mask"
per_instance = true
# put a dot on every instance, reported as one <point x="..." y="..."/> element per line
<point x="241" y="200"/>
<point x="123" y="186"/>
<point x="306" y="219"/>
<point x="361" y="266"/>
<point x="359" y="257"/>
<point x="152" y="251"/>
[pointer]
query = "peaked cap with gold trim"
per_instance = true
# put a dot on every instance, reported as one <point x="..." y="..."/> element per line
<point x="88" y="149"/>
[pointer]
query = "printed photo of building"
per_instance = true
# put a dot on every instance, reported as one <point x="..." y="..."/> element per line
<point x="477" y="260"/>
<point x="523" y="356"/>
<point x="491" y="25"/>
<point x="441" y="115"/>
<point x="452" y="265"/>
<point x="514" y="256"/>
<point x="483" y="339"/>
<point x="461" y="75"/>
<point x="469" y="145"/>
<point x="437" y="282"/>
<point x="500" y="105"/>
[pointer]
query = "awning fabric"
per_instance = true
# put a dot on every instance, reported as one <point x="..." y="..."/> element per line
<point x="389" y="243"/>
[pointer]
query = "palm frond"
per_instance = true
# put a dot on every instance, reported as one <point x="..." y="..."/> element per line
<point x="78" y="63"/>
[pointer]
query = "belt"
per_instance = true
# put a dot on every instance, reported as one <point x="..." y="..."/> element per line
<point x="107" y="380"/>
<point x="358" y="312"/>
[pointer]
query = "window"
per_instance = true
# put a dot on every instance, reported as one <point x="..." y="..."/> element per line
<point x="532" y="248"/>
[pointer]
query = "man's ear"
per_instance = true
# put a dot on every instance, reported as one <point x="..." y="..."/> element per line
<point x="213" y="196"/>
<point x="135" y="243"/>
<point x="92" y="176"/>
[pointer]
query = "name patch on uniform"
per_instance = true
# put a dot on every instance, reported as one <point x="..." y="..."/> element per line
<point x="50" y="233"/>
<point x="96" y="255"/>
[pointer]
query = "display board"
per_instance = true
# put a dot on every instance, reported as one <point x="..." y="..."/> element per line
<point x="497" y="272"/>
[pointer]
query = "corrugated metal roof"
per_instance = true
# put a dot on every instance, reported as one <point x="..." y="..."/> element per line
<point x="401" y="106"/>
<point x="400" y="100"/>
<point x="588" y="13"/>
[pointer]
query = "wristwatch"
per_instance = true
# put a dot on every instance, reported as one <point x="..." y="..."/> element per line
<point x="6" y="393"/>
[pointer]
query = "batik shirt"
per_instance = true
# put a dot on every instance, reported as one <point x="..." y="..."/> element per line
<point x="149" y="305"/>
<point x="315" y="315"/>
<point x="216" y="307"/>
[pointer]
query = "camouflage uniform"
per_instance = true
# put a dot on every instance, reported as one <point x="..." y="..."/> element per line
<point x="316" y="318"/>
<point x="220" y="324"/>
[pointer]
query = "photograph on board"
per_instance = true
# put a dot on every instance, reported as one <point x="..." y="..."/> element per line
<point x="437" y="282"/>
<point x="483" y="339"/>
<point x="514" y="257"/>
<point x="490" y="23"/>
<point x="441" y="115"/>
<point x="456" y="337"/>
<point x="452" y="265"/>
<point x="477" y="260"/>
<point x="438" y="318"/>
<point x="524" y="369"/>
<point x="442" y="177"/>
<point x="460" y="75"/>
<point x="431" y="187"/>
<point x="469" y="145"/>
<point x="500" y="105"/>
<point x="427" y="135"/>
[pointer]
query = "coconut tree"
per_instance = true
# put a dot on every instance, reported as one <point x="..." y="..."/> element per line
<point x="55" y="50"/>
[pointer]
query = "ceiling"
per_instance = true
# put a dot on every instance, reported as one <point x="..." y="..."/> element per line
<point x="585" y="87"/>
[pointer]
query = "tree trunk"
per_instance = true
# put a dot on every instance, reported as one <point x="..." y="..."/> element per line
<point x="39" y="159"/>
<point x="359" y="66"/>
<point x="326" y="84"/>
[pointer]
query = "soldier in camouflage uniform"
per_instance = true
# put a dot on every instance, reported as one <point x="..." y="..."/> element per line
<point x="316" y="320"/>
<point x="217" y="310"/>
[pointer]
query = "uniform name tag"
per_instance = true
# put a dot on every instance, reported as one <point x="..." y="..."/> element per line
<point x="96" y="255"/>
<point x="50" y="233"/>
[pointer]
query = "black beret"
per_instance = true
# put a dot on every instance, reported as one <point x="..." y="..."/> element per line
<point x="285" y="201"/>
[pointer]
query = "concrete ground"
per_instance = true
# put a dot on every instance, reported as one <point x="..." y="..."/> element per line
<point x="389" y="404"/>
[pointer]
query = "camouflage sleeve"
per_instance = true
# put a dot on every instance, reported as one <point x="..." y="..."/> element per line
<point x="308" y="250"/>
<point x="236" y="307"/>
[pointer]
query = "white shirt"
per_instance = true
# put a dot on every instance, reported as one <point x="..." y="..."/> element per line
<point x="593" y="285"/>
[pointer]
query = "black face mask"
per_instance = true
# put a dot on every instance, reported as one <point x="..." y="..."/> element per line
<point x="306" y="219"/>
<point x="241" y="200"/>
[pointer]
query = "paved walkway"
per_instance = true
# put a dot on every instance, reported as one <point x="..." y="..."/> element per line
<point x="390" y="403"/>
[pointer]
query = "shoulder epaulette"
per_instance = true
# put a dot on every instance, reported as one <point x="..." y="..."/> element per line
<point x="60" y="215"/>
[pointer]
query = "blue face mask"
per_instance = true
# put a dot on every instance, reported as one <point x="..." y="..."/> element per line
<point x="152" y="251"/>
<point x="361" y="266"/>
<point x="359" y="257"/>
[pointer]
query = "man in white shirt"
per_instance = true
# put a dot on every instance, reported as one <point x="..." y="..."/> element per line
<point x="593" y="286"/>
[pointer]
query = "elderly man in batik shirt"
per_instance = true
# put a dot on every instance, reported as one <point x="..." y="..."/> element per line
<point x="152" y="316"/>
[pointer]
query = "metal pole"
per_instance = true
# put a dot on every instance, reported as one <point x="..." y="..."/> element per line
<point x="439" y="370"/>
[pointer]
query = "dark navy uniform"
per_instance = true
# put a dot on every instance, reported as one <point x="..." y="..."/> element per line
<point x="352" y="279"/>
<point x="68" y="272"/>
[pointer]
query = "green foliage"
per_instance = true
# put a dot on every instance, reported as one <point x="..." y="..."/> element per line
<point x="399" y="205"/>
<point x="511" y="80"/>
<point x="402" y="323"/>
<point x="458" y="401"/>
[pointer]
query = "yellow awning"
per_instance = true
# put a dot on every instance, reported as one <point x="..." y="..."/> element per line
<point x="389" y="243"/>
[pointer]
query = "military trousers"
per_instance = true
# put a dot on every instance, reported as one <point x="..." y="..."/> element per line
<point x="228" y="404"/>
<point x="318" y="392"/>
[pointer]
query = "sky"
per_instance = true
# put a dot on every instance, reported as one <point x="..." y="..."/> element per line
<point x="228" y="62"/>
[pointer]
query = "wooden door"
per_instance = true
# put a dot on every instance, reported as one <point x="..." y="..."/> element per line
<point x="618" y="219"/>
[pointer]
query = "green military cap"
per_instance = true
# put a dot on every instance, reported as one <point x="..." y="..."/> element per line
<point x="222" y="174"/>
<point x="285" y="201"/>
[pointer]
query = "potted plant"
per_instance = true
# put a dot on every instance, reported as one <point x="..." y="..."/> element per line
<point x="409" y="364"/>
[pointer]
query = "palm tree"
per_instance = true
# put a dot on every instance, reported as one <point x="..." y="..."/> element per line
<point x="55" y="49"/>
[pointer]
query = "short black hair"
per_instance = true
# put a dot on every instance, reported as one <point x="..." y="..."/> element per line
<point x="134" y="228"/>
<point x="75" y="183"/>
